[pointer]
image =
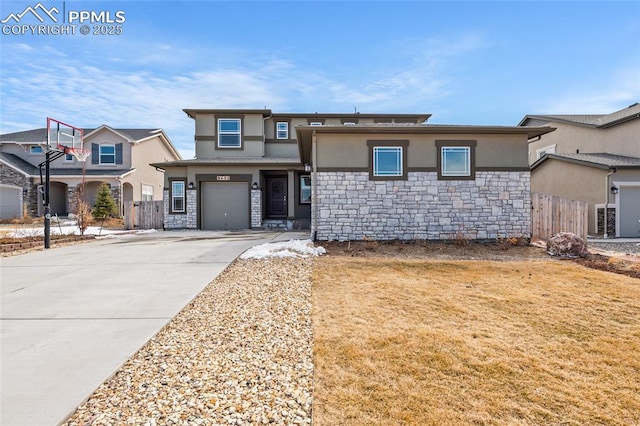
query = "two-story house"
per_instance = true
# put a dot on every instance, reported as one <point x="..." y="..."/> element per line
<point x="592" y="158"/>
<point x="352" y="176"/>
<point x="119" y="158"/>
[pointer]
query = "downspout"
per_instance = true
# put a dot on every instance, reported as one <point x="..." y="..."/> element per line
<point x="264" y="133"/>
<point x="314" y="186"/>
<point x="606" y="203"/>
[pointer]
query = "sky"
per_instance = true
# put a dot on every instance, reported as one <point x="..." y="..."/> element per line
<point x="473" y="62"/>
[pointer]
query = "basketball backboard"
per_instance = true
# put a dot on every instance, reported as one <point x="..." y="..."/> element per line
<point x="63" y="137"/>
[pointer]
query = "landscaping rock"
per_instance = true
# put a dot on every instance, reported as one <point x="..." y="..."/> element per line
<point x="567" y="245"/>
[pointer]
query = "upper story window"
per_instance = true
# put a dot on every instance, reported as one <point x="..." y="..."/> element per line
<point x="456" y="159"/>
<point x="551" y="149"/>
<point x="315" y="123"/>
<point x="107" y="154"/>
<point x="68" y="158"/>
<point x="282" y="130"/>
<point x="388" y="160"/>
<point x="229" y="133"/>
<point x="36" y="149"/>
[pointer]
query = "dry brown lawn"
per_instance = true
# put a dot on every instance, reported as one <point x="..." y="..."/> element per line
<point x="401" y="341"/>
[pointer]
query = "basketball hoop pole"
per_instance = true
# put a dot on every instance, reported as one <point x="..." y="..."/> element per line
<point x="47" y="201"/>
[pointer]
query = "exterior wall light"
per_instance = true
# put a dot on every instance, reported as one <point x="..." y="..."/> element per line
<point x="307" y="167"/>
<point x="255" y="185"/>
<point x="615" y="189"/>
<point x="190" y="185"/>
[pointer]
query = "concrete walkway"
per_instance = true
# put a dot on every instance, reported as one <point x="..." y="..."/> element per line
<point x="70" y="316"/>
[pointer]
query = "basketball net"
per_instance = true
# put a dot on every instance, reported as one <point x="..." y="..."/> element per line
<point x="80" y="153"/>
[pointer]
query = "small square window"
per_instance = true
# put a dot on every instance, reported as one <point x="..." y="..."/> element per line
<point x="387" y="161"/>
<point x="305" y="189"/>
<point x="229" y="133"/>
<point x="282" y="130"/>
<point x="456" y="161"/>
<point x="36" y="149"/>
<point x="68" y="158"/>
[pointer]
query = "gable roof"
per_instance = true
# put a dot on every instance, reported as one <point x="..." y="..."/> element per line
<point x="599" y="121"/>
<point x="599" y="160"/>
<point x="131" y="135"/>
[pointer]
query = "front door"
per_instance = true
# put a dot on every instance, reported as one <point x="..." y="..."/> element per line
<point x="277" y="197"/>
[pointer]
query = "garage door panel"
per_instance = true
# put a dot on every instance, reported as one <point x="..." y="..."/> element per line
<point x="630" y="211"/>
<point x="225" y="205"/>
<point x="10" y="203"/>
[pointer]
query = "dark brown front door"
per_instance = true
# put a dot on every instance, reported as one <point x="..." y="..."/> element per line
<point x="277" y="197"/>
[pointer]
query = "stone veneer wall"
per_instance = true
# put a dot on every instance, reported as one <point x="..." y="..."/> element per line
<point x="256" y="208"/>
<point x="187" y="220"/>
<point x="352" y="207"/>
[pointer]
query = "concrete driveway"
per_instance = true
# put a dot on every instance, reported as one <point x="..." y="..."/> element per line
<point x="70" y="316"/>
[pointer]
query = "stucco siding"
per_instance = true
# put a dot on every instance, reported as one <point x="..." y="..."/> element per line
<point x="352" y="207"/>
<point x="620" y="140"/>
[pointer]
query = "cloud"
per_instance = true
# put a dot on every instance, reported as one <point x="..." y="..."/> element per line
<point x="619" y="91"/>
<point x="86" y="91"/>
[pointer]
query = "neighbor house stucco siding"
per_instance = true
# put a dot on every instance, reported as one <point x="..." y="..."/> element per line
<point x="351" y="207"/>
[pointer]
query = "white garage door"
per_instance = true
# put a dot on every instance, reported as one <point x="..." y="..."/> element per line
<point x="10" y="202"/>
<point x="225" y="205"/>
<point x="630" y="211"/>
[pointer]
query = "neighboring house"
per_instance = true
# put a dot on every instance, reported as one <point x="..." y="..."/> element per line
<point x="119" y="157"/>
<point x="352" y="176"/>
<point x="592" y="158"/>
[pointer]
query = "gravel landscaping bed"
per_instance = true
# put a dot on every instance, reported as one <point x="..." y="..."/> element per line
<point x="238" y="354"/>
<point x="618" y="247"/>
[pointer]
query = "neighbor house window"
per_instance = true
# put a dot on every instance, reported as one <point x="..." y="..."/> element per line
<point x="68" y="158"/>
<point x="305" y="189"/>
<point x="315" y="123"/>
<point x="177" y="196"/>
<point x="35" y="149"/>
<point x="551" y="149"/>
<point x="282" y="130"/>
<point x="107" y="154"/>
<point x="456" y="159"/>
<point x="229" y="133"/>
<point x="388" y="160"/>
<point x="147" y="192"/>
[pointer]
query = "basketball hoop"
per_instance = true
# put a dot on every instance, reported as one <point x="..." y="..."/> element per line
<point x="80" y="153"/>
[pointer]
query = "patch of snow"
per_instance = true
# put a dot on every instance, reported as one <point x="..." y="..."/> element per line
<point x="291" y="248"/>
<point x="70" y="228"/>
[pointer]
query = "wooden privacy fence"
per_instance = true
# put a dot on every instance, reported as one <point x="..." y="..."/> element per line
<point x="143" y="214"/>
<point x="551" y="214"/>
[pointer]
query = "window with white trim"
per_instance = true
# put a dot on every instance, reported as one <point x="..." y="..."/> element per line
<point x="282" y="130"/>
<point x="147" y="192"/>
<point x="387" y="161"/>
<point x="229" y="133"/>
<point x="305" y="189"/>
<point x="551" y="149"/>
<point x="178" y="196"/>
<point x="456" y="161"/>
<point x="316" y="123"/>
<point x="36" y="149"/>
<point x="107" y="154"/>
<point x="68" y="158"/>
